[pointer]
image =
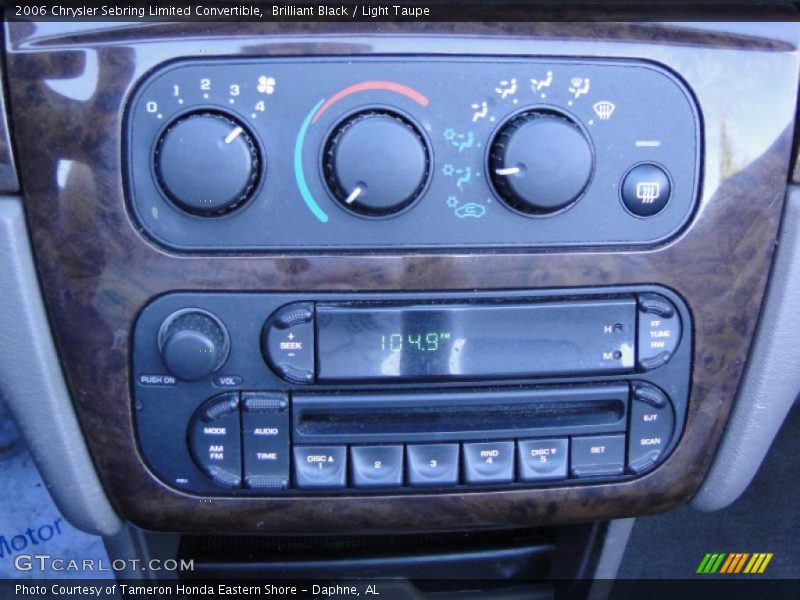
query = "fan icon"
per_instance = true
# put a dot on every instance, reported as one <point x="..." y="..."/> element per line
<point x="266" y="85"/>
<point x="604" y="110"/>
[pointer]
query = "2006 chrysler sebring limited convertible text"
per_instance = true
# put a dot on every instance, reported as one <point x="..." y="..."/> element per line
<point x="467" y="305"/>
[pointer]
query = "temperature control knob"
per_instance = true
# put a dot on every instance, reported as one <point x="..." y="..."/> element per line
<point x="193" y="344"/>
<point x="207" y="163"/>
<point x="540" y="162"/>
<point x="376" y="163"/>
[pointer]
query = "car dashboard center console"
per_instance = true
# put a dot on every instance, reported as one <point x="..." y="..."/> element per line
<point x="408" y="392"/>
<point x="310" y="279"/>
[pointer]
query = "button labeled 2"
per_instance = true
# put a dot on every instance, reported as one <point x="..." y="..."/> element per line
<point x="377" y="466"/>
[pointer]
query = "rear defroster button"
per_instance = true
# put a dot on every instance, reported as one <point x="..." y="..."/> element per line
<point x="645" y="190"/>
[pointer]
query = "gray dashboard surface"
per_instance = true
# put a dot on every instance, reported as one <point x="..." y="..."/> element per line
<point x="33" y="388"/>
<point x="772" y="379"/>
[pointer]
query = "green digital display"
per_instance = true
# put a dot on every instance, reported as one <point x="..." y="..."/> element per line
<point x="425" y="341"/>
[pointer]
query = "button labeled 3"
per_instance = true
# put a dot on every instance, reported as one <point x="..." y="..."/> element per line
<point x="432" y="464"/>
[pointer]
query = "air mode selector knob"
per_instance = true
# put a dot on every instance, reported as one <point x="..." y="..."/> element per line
<point x="540" y="162"/>
<point x="376" y="163"/>
<point x="207" y="163"/>
<point x="193" y="344"/>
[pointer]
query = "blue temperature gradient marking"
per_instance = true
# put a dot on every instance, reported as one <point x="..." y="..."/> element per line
<point x="298" y="167"/>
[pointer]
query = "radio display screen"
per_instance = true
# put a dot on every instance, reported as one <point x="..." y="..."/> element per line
<point x="430" y="342"/>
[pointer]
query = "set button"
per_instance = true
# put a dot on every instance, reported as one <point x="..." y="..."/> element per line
<point x="598" y="456"/>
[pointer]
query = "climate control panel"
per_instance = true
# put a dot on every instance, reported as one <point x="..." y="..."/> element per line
<point x="357" y="152"/>
<point x="293" y="394"/>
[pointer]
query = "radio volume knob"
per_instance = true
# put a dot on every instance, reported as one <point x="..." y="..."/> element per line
<point x="193" y="344"/>
<point x="540" y="162"/>
<point x="207" y="163"/>
<point x="376" y="163"/>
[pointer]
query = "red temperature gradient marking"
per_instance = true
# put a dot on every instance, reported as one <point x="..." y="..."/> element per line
<point x="389" y="86"/>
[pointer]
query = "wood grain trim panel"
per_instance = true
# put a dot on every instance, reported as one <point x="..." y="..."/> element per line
<point x="68" y="92"/>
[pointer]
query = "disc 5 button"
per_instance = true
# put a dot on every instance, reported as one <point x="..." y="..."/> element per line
<point x="542" y="460"/>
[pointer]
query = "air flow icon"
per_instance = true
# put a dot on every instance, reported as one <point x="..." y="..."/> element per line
<point x="604" y="110"/>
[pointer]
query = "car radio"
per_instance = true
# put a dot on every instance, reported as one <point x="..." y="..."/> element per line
<point x="269" y="393"/>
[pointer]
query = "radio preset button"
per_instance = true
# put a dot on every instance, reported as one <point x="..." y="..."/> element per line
<point x="288" y="342"/>
<point x="598" y="456"/>
<point x="432" y="465"/>
<point x="215" y="440"/>
<point x="376" y="466"/>
<point x="320" y="467"/>
<point x="542" y="460"/>
<point x="265" y="440"/>
<point x="489" y="462"/>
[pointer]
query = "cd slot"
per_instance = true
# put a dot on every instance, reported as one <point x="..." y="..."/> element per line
<point x="332" y="418"/>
